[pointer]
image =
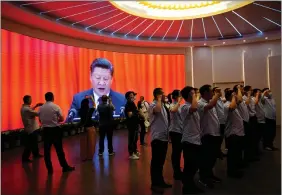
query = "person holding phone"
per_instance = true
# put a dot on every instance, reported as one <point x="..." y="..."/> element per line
<point x="159" y="119"/>
<point x="31" y="128"/>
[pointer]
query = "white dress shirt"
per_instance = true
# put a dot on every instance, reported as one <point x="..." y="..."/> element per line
<point x="251" y="106"/>
<point x="29" y="119"/>
<point x="175" y="119"/>
<point x="220" y="111"/>
<point x="49" y="114"/>
<point x="96" y="98"/>
<point x="269" y="108"/>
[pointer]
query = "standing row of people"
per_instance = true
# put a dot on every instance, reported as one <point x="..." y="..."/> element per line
<point x="197" y="129"/>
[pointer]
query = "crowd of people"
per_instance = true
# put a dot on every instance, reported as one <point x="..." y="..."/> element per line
<point x="196" y="128"/>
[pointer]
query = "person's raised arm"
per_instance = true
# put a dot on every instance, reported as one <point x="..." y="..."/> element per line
<point x="257" y="98"/>
<point x="213" y="102"/>
<point x="194" y="105"/>
<point x="248" y="100"/>
<point x="158" y="106"/>
<point x="233" y="104"/>
<point x="176" y="106"/>
<point x="239" y="94"/>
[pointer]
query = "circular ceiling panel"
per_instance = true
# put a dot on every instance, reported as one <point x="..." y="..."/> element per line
<point x="177" y="10"/>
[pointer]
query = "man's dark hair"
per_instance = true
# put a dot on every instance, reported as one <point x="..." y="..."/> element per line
<point x="49" y="96"/>
<point x="235" y="89"/>
<point x="228" y="95"/>
<point x="247" y="88"/>
<point x="185" y="92"/>
<point x="204" y="88"/>
<point x="175" y="94"/>
<point x="157" y="91"/>
<point x="102" y="63"/>
<point x="255" y="91"/>
<point x="226" y="89"/>
<point x="196" y="89"/>
<point x="26" y="99"/>
<point x="264" y="89"/>
<point x="213" y="89"/>
<point x="104" y="98"/>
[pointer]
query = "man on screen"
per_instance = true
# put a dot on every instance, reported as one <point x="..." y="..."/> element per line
<point x="101" y="77"/>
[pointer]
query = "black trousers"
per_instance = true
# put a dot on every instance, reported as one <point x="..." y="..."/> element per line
<point x="132" y="138"/>
<point x="103" y="131"/>
<point x="258" y="137"/>
<point x="54" y="136"/>
<point x="222" y="129"/>
<point x="142" y="132"/>
<point x="269" y="132"/>
<point x="192" y="158"/>
<point x="30" y="145"/>
<point x="159" y="150"/>
<point x="250" y="137"/>
<point x="234" y="156"/>
<point x="176" y="152"/>
<point x="209" y="154"/>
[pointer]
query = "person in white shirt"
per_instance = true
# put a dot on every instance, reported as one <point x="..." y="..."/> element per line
<point x="211" y="137"/>
<point x="257" y="98"/>
<point x="269" y="107"/>
<point x="249" y="101"/>
<point x="31" y="126"/>
<point x="50" y="116"/>
<point x="191" y="140"/>
<point x="159" y="120"/>
<point x="143" y="107"/>
<point x="234" y="133"/>
<point x="175" y="133"/>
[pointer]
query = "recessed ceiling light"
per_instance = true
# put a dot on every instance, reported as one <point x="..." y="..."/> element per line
<point x="205" y="44"/>
<point x="223" y="42"/>
<point x="244" y="41"/>
<point x="266" y="37"/>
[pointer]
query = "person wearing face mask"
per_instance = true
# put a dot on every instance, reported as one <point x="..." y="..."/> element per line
<point x="101" y="78"/>
<point x="159" y="120"/>
<point x="175" y="132"/>
<point x="132" y="123"/>
<point x="269" y="107"/>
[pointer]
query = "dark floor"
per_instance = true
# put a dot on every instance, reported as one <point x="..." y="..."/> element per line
<point x="118" y="175"/>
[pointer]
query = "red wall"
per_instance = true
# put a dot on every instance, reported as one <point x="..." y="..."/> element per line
<point x="32" y="66"/>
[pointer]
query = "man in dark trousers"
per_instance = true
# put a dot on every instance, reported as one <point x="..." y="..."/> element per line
<point x="50" y="116"/>
<point x="106" y="124"/>
<point x="132" y="122"/>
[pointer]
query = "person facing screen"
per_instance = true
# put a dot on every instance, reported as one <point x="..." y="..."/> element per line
<point x="101" y="78"/>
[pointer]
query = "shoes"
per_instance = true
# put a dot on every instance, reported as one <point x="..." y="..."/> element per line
<point x="68" y="169"/>
<point x="216" y="179"/>
<point x="268" y="148"/>
<point x="134" y="157"/>
<point x="100" y="154"/>
<point x="206" y="183"/>
<point x="137" y="153"/>
<point x="111" y="153"/>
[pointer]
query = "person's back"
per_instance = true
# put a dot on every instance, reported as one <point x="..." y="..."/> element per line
<point x="49" y="114"/>
<point x="105" y="114"/>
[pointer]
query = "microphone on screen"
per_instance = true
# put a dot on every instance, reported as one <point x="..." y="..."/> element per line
<point x="71" y="114"/>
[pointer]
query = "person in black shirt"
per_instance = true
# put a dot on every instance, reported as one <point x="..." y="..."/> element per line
<point x="88" y="139"/>
<point x="132" y="122"/>
<point x="106" y="124"/>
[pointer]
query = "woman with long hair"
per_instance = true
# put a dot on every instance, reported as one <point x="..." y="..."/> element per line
<point x="88" y="139"/>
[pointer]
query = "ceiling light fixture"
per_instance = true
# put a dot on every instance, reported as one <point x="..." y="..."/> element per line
<point x="156" y="30"/>
<point x="179" y="30"/>
<point x="272" y="21"/>
<point x="233" y="26"/>
<point x="191" y="33"/>
<point x="266" y="38"/>
<point x="204" y="28"/>
<point x="247" y="21"/>
<point x="168" y="29"/>
<point x="223" y="43"/>
<point x="145" y="29"/>
<point x="135" y="27"/>
<point x="124" y="25"/>
<point x="217" y="27"/>
<point x="244" y="41"/>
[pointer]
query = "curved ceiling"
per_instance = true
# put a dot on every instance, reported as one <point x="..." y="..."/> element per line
<point x="102" y="18"/>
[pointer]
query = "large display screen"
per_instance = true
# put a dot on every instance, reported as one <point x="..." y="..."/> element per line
<point x="33" y="67"/>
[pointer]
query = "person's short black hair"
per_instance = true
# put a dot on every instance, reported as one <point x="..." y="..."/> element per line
<point x="228" y="94"/>
<point x="127" y="94"/>
<point x="195" y="89"/>
<point x="104" y="98"/>
<point x="247" y="88"/>
<point x="49" y="96"/>
<point x="185" y="92"/>
<point x="264" y="89"/>
<point x="205" y="88"/>
<point x="157" y="91"/>
<point x="213" y="89"/>
<point x="226" y="89"/>
<point x="102" y="63"/>
<point x="175" y="94"/>
<point x="235" y="89"/>
<point x="255" y="91"/>
<point x="26" y="99"/>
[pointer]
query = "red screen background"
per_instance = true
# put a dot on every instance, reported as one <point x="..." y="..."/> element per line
<point x="33" y="66"/>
